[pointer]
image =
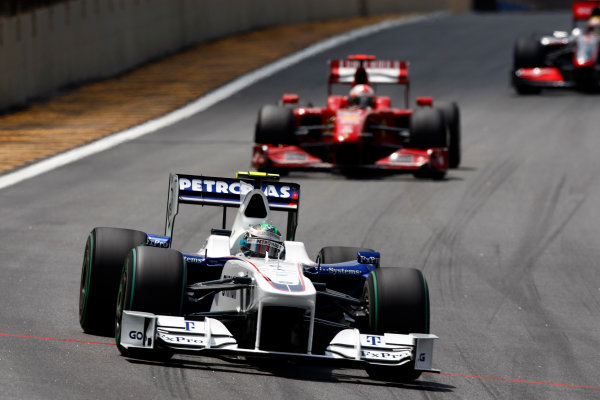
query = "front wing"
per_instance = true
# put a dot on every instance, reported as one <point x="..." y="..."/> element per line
<point x="295" y="158"/>
<point x="149" y="331"/>
<point x="542" y="77"/>
<point x="553" y="77"/>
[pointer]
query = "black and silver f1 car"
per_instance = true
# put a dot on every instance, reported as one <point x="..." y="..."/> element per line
<point x="253" y="296"/>
<point x="561" y="59"/>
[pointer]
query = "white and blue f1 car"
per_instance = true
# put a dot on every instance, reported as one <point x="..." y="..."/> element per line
<point x="341" y="308"/>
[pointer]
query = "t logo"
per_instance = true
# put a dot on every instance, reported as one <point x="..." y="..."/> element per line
<point x="374" y="340"/>
<point x="189" y="325"/>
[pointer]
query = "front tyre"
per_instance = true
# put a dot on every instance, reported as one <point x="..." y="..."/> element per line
<point x="105" y="251"/>
<point x="153" y="280"/>
<point x="452" y="119"/>
<point x="428" y="129"/>
<point x="397" y="301"/>
<point x="527" y="53"/>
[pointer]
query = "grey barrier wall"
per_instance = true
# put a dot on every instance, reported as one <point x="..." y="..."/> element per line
<point x="75" y="41"/>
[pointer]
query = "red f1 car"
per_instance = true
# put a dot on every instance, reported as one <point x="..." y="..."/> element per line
<point x="359" y="131"/>
<point x="561" y="59"/>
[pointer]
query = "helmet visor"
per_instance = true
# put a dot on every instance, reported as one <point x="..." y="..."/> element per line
<point x="261" y="247"/>
<point x="361" y="101"/>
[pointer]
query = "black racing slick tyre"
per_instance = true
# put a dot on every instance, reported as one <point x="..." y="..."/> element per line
<point x="397" y="301"/>
<point x="338" y="254"/>
<point x="527" y="53"/>
<point x="105" y="252"/>
<point x="452" y="118"/>
<point x="275" y="125"/>
<point x="428" y="129"/>
<point x="524" y="89"/>
<point x="153" y="280"/>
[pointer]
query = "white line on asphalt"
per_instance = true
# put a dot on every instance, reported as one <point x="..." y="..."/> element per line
<point x="202" y="103"/>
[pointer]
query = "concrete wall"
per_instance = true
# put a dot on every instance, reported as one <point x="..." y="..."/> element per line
<point x="81" y="40"/>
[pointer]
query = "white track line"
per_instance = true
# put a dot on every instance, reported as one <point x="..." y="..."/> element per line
<point x="202" y="103"/>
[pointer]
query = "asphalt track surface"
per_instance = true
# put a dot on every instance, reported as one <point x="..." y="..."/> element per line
<point x="508" y="242"/>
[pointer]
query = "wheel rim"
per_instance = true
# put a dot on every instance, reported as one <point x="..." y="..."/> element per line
<point x="370" y="305"/>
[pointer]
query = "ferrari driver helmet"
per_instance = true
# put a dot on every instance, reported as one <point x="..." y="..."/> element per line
<point x="362" y="96"/>
<point x="262" y="240"/>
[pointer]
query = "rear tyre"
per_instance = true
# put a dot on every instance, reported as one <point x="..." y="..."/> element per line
<point x="527" y="53"/>
<point x="105" y="251"/>
<point x="397" y="302"/>
<point x="275" y="125"/>
<point x="452" y="118"/>
<point x="428" y="129"/>
<point x="153" y="280"/>
<point x="338" y="254"/>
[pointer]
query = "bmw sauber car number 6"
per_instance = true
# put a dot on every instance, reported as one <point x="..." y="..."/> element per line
<point x="252" y="290"/>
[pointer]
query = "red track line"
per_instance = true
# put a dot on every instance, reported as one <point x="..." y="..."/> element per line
<point x="522" y="381"/>
<point x="56" y="339"/>
<point x="443" y="373"/>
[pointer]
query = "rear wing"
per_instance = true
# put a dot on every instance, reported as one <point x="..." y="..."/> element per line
<point x="582" y="10"/>
<point x="365" y="69"/>
<point x="228" y="192"/>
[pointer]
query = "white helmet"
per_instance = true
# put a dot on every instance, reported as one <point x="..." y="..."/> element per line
<point x="262" y="239"/>
<point x="362" y="96"/>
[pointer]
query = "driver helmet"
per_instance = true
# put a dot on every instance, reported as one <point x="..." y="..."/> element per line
<point x="362" y="96"/>
<point x="593" y="24"/>
<point x="262" y="240"/>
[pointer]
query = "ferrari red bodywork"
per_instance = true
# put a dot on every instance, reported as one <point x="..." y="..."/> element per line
<point x="342" y="136"/>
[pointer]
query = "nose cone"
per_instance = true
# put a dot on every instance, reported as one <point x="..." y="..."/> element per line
<point x="349" y="125"/>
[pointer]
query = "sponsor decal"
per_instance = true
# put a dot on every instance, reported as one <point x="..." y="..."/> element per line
<point x="368" y="257"/>
<point x="158" y="241"/>
<point x="374" y="340"/>
<point x="368" y="260"/>
<point x="236" y="188"/>
<point x="193" y="259"/>
<point x="182" y="340"/>
<point x="295" y="156"/>
<point x="348" y="118"/>
<point x="385" y="355"/>
<point x="422" y="357"/>
<point x="346" y="130"/>
<point x="136" y="335"/>
<point x="395" y="158"/>
<point x="340" y="271"/>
